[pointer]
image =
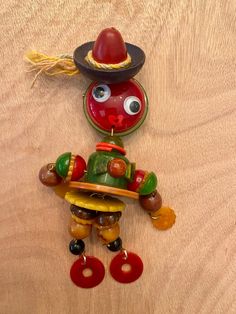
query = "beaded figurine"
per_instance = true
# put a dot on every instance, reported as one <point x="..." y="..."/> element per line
<point x="115" y="104"/>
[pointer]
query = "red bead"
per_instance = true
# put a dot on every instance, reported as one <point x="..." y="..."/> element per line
<point x="79" y="168"/>
<point x="109" y="47"/>
<point x="139" y="177"/>
<point x="122" y="276"/>
<point x="92" y="263"/>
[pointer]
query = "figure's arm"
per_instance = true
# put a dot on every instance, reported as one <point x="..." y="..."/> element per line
<point x="68" y="167"/>
<point x="145" y="183"/>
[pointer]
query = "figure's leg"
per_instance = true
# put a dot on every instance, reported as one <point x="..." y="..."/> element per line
<point x="108" y="229"/>
<point x="80" y="227"/>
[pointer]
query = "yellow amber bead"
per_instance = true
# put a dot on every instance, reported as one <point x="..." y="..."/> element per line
<point x="164" y="218"/>
<point x="79" y="231"/>
<point x="109" y="234"/>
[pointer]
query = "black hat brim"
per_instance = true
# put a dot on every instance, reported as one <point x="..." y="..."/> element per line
<point x="109" y="76"/>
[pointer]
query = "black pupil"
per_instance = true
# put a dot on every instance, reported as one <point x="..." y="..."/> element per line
<point x="99" y="92"/>
<point x="134" y="106"/>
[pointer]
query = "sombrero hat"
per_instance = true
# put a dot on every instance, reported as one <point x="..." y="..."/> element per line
<point x="109" y="59"/>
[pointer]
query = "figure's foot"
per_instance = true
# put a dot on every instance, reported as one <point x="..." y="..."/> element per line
<point x="115" y="245"/>
<point x="76" y="247"/>
<point x="87" y="263"/>
<point x="119" y="264"/>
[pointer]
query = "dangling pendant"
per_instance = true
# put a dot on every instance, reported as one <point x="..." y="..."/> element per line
<point x="124" y="258"/>
<point x="92" y="264"/>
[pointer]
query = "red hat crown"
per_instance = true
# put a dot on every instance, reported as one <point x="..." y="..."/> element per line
<point x="109" y="47"/>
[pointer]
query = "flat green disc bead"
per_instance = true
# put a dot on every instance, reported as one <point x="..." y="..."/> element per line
<point x="150" y="184"/>
<point x="62" y="164"/>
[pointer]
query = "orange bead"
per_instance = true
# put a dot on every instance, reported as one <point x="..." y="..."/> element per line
<point x="164" y="218"/>
<point x="79" y="231"/>
<point x="110" y="234"/>
<point x="117" y="167"/>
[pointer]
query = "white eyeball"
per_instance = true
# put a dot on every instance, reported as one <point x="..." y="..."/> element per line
<point x="132" y="105"/>
<point x="101" y="93"/>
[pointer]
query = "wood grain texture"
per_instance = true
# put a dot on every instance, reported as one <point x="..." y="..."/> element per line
<point x="189" y="139"/>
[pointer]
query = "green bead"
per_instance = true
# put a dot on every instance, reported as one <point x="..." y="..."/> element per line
<point x="62" y="164"/>
<point x="115" y="140"/>
<point x="149" y="185"/>
<point x="97" y="172"/>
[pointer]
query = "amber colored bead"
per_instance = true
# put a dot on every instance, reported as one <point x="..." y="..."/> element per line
<point x="108" y="219"/>
<point x="117" y="168"/>
<point x="82" y="213"/>
<point x="110" y="234"/>
<point x="79" y="231"/>
<point x="164" y="218"/>
<point x="151" y="202"/>
<point x="48" y="175"/>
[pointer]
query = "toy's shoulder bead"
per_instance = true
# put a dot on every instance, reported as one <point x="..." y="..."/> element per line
<point x="70" y="167"/>
<point x="143" y="182"/>
<point x="149" y="185"/>
<point x="62" y="164"/>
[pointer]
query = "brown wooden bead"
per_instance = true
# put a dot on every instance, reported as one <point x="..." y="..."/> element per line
<point x="48" y="175"/>
<point x="151" y="202"/>
<point x="82" y="213"/>
<point x="107" y="219"/>
<point x="79" y="231"/>
<point x="117" y="168"/>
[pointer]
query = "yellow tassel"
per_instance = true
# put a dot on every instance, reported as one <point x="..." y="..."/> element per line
<point x="49" y="65"/>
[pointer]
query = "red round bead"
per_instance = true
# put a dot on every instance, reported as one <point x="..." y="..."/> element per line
<point x="139" y="177"/>
<point x="92" y="263"/>
<point x="109" y="47"/>
<point x="79" y="168"/>
<point x="133" y="260"/>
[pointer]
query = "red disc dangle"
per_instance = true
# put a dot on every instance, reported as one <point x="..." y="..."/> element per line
<point x="134" y="262"/>
<point x="94" y="265"/>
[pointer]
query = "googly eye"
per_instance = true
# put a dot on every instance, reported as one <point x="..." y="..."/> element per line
<point x="101" y="93"/>
<point x="132" y="105"/>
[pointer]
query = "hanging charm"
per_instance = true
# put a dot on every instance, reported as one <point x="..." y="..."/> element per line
<point x="87" y="263"/>
<point x="124" y="258"/>
<point x="115" y="104"/>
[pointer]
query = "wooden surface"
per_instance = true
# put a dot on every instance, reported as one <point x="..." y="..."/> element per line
<point x="189" y="139"/>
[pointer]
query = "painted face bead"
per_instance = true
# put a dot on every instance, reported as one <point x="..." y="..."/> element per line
<point x="121" y="107"/>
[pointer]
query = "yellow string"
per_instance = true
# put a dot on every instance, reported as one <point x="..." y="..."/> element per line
<point x="89" y="58"/>
<point x="50" y="65"/>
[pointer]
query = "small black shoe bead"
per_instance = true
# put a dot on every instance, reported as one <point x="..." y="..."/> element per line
<point x="76" y="247"/>
<point x="115" y="245"/>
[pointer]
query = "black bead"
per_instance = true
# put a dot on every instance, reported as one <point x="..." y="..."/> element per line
<point x="115" y="245"/>
<point x="76" y="247"/>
